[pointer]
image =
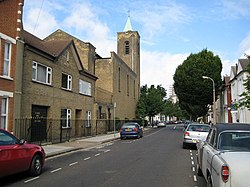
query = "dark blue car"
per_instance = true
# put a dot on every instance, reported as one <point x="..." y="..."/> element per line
<point x="131" y="130"/>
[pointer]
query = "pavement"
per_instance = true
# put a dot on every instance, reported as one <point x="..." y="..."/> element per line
<point x="73" y="145"/>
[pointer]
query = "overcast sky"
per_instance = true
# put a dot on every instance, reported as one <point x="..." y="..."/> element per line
<point x="170" y="30"/>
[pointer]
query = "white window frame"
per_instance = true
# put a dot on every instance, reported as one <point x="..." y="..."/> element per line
<point x="85" y="87"/>
<point x="4" y="116"/>
<point x="7" y="59"/>
<point x="69" y="82"/>
<point x="67" y="119"/>
<point x="48" y="78"/>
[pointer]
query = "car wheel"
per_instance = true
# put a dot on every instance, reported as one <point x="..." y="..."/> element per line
<point x="184" y="146"/>
<point x="199" y="172"/>
<point x="36" y="166"/>
<point x="209" y="181"/>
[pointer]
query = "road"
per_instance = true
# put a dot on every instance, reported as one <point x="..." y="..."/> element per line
<point x="157" y="159"/>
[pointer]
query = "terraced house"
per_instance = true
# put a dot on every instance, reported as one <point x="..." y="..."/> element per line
<point x="63" y="88"/>
<point x="10" y="31"/>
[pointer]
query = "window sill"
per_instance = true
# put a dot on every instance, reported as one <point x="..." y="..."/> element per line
<point x="46" y="84"/>
<point x="6" y="77"/>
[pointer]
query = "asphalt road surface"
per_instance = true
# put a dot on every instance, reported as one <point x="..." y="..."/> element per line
<point x="156" y="160"/>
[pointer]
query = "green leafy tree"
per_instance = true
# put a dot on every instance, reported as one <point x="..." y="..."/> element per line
<point x="173" y="110"/>
<point x="151" y="101"/>
<point x="194" y="92"/>
<point x="246" y="94"/>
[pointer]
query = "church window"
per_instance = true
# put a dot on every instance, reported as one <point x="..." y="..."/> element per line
<point x="119" y="79"/>
<point x="126" y="47"/>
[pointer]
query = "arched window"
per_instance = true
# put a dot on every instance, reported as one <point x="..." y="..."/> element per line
<point x="119" y="79"/>
<point x="126" y="47"/>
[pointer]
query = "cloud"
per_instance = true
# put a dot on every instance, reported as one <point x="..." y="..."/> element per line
<point x="39" y="23"/>
<point x="245" y="45"/>
<point x="235" y="9"/>
<point x="86" y="24"/>
<point x="158" y="68"/>
<point x="161" y="18"/>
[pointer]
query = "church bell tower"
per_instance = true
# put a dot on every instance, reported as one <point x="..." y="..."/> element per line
<point x="128" y="47"/>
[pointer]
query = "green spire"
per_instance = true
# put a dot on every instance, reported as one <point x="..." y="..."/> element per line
<point x="128" y="26"/>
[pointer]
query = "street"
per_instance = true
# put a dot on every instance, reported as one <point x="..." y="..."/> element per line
<point x="157" y="159"/>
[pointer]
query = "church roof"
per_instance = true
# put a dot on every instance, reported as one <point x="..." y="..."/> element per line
<point x="128" y="26"/>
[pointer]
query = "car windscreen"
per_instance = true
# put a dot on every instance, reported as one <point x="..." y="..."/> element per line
<point x="129" y="126"/>
<point x="234" y="141"/>
<point x="198" y="128"/>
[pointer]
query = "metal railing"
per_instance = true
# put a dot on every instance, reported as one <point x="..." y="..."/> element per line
<point x="51" y="131"/>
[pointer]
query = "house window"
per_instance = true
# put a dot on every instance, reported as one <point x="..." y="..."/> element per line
<point x="84" y="87"/>
<point x="65" y="118"/>
<point x="134" y="89"/>
<point x="88" y="118"/>
<point x="4" y="113"/>
<point x="7" y="56"/>
<point x="67" y="56"/>
<point x="66" y="81"/>
<point x="128" y="85"/>
<point x="41" y="73"/>
<point x="126" y="47"/>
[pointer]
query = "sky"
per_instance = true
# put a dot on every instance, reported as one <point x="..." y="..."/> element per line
<point x="170" y="30"/>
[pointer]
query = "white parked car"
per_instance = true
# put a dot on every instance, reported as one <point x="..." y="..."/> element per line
<point x="224" y="158"/>
<point x="161" y="124"/>
<point x="194" y="133"/>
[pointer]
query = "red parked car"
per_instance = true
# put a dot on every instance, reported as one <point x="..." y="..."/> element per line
<point x="16" y="155"/>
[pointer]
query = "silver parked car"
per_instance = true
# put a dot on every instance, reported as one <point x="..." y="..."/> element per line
<point x="223" y="159"/>
<point x="194" y="133"/>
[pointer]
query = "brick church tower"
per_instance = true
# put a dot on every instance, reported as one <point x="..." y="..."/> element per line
<point x="128" y="47"/>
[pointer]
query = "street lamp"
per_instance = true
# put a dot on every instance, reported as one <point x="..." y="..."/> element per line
<point x="214" y="106"/>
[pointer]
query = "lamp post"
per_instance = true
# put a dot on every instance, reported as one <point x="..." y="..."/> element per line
<point x="214" y="106"/>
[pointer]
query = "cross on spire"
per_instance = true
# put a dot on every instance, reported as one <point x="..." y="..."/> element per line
<point x="128" y="26"/>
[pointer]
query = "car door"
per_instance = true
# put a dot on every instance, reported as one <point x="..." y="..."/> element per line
<point x="208" y="152"/>
<point x="13" y="156"/>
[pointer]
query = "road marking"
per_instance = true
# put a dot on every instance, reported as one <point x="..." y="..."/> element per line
<point x="98" y="154"/>
<point x="109" y="144"/>
<point x="195" y="178"/>
<point x="127" y="142"/>
<point x="191" y="154"/>
<point x="74" y="163"/>
<point x="190" y="151"/>
<point x="175" y="127"/>
<point x="192" y="162"/>
<point x="107" y="151"/>
<point x="192" y="158"/>
<point x="193" y="168"/>
<point x="87" y="158"/>
<point x="58" y="169"/>
<point x="31" y="179"/>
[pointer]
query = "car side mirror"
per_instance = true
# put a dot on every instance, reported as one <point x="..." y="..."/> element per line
<point x="21" y="141"/>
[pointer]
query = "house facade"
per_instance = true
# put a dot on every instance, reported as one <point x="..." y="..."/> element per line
<point x="238" y="75"/>
<point x="57" y="93"/>
<point x="224" y="102"/>
<point x="10" y="31"/>
<point x="56" y="87"/>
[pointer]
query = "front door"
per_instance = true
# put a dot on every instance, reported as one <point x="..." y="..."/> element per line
<point x="38" y="123"/>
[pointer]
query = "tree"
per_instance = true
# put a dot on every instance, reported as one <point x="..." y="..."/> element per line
<point x="173" y="109"/>
<point x="194" y="92"/>
<point x="151" y="101"/>
<point x="246" y="94"/>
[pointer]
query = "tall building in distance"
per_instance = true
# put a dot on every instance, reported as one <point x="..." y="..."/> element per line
<point x="171" y="94"/>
